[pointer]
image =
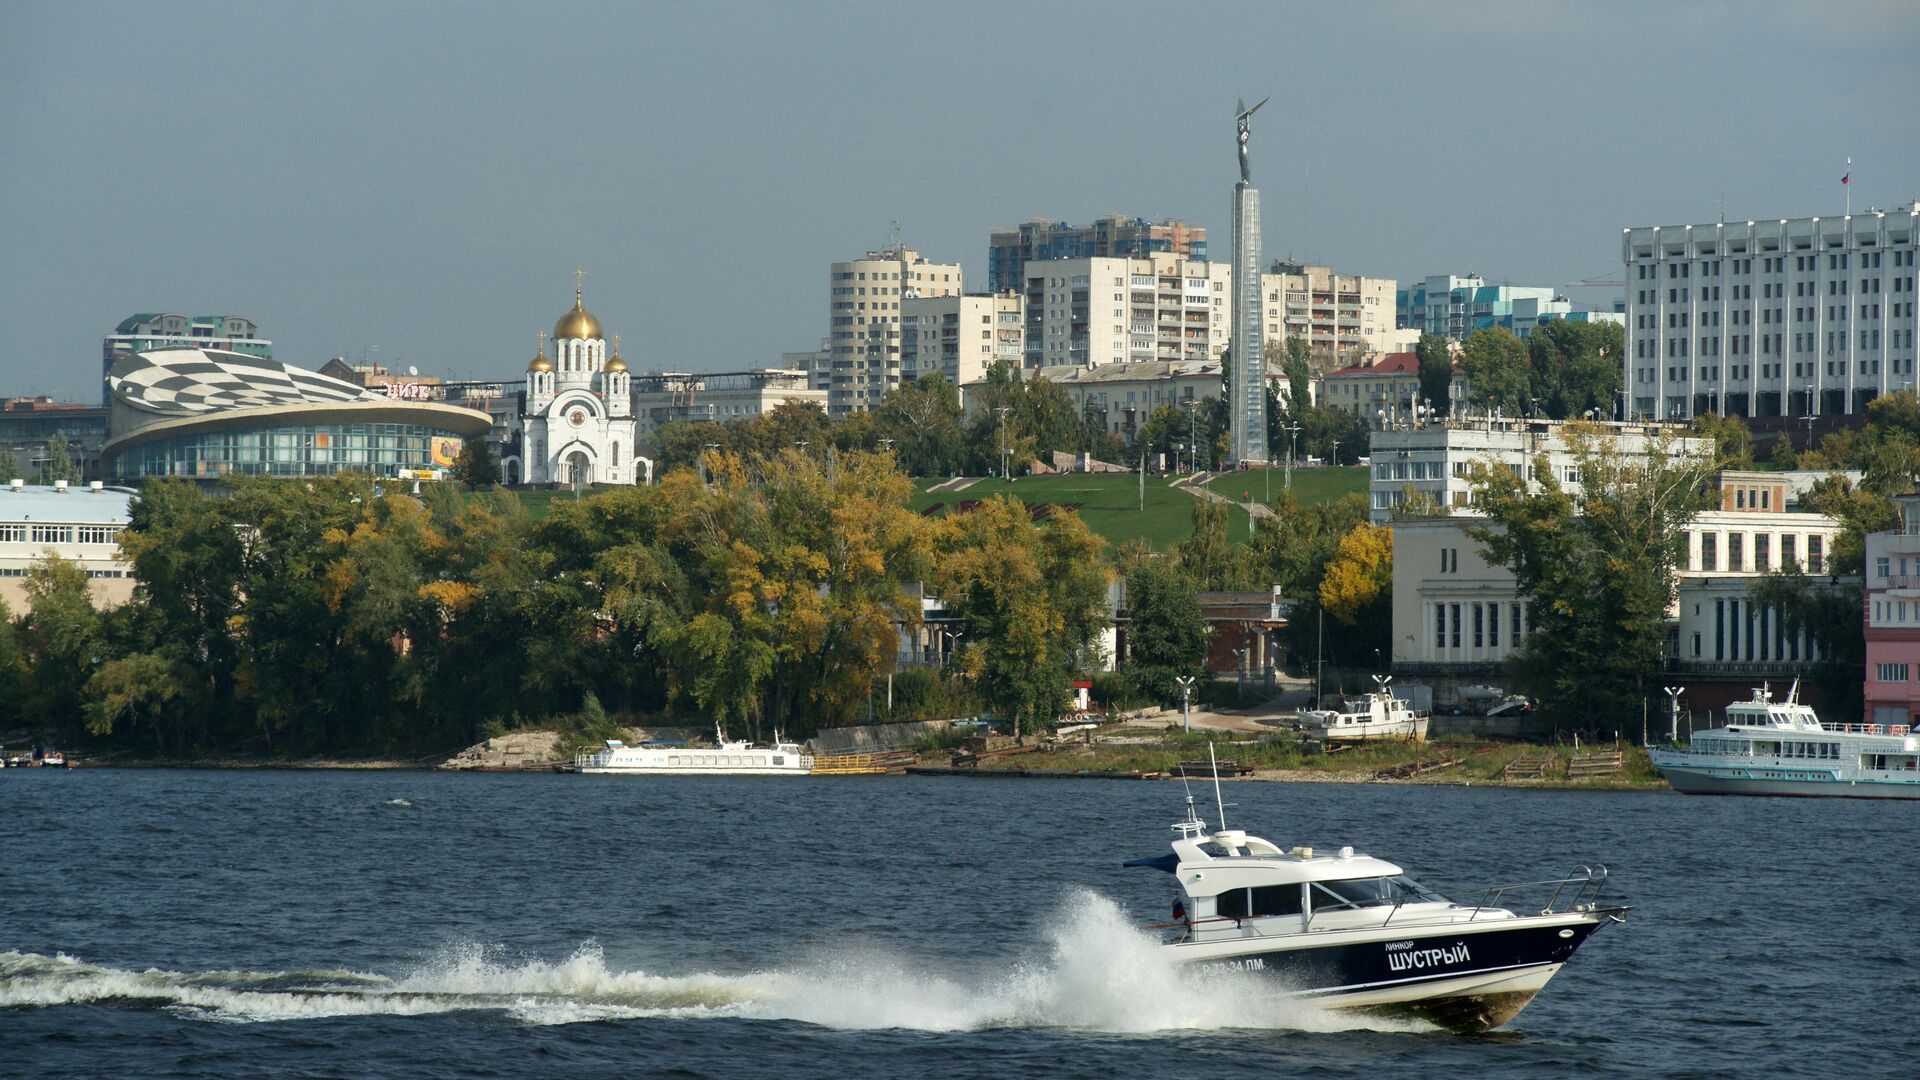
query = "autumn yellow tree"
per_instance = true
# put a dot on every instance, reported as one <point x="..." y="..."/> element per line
<point x="1358" y="588"/>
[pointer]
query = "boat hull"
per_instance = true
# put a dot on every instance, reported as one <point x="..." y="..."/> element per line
<point x="616" y="770"/>
<point x="1465" y="977"/>
<point x="1765" y="780"/>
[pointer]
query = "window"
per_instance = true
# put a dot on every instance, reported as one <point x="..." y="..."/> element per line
<point x="99" y="534"/>
<point x="1891" y="672"/>
<point x="1455" y="613"/>
<point x="13" y="534"/>
<point x="1816" y="557"/>
<point x="1479" y="629"/>
<point x="1258" y="903"/>
<point x="1440" y="626"/>
<point x="1709" y="551"/>
<point x="1736" y="556"/>
<point x="52" y="534"/>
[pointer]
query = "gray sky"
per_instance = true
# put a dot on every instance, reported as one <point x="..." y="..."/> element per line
<point x="419" y="179"/>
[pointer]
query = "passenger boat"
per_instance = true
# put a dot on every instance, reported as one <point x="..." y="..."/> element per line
<point x="1770" y="747"/>
<point x="1348" y="930"/>
<point x="1378" y="715"/>
<point x="725" y="758"/>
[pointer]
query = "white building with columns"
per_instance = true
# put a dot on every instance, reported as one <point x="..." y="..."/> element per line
<point x="575" y="424"/>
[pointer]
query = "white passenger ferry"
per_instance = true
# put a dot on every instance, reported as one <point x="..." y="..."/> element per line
<point x="1378" y="715"/>
<point x="1773" y="747"/>
<point x="725" y="758"/>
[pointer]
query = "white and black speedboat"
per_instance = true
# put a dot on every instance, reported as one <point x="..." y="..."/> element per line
<point x="1770" y="747"/>
<point x="1351" y="931"/>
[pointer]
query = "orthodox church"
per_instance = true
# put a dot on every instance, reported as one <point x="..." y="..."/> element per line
<point x="575" y="426"/>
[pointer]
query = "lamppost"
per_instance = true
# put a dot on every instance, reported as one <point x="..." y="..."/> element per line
<point x="1333" y="455"/>
<point x="1293" y="430"/>
<point x="1186" y="700"/>
<point x="1002" y="410"/>
<point x="1242" y="655"/>
<point x="1193" y="440"/>
<point x="886" y="443"/>
<point x="706" y="470"/>
<point x="949" y="641"/>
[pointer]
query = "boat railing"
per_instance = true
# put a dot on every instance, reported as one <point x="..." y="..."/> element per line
<point x="1868" y="729"/>
<point x="1585" y="885"/>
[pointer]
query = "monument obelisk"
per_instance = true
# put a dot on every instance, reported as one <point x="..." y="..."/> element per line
<point x="1247" y="409"/>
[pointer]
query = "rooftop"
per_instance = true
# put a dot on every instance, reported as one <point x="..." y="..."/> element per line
<point x="75" y="506"/>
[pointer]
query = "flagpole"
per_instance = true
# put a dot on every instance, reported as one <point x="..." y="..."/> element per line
<point x="1846" y="182"/>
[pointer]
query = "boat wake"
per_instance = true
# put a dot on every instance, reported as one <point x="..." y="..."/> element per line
<point x="1097" y="973"/>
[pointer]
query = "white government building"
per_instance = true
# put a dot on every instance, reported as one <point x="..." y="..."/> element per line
<point x="1790" y="317"/>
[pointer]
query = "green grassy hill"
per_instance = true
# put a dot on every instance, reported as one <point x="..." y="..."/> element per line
<point x="1310" y="486"/>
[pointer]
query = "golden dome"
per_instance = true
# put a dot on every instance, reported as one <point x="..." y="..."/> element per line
<point x="614" y="363"/>
<point x="577" y="324"/>
<point x="540" y="361"/>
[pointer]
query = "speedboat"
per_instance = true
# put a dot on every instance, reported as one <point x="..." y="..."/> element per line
<point x="1770" y="747"/>
<point x="1347" y="930"/>
<point x="726" y="757"/>
<point x="1377" y="715"/>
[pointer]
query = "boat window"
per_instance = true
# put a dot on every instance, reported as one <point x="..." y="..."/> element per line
<point x="1369" y="892"/>
<point x="1258" y="902"/>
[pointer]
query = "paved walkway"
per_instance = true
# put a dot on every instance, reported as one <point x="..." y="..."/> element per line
<point x="1196" y="486"/>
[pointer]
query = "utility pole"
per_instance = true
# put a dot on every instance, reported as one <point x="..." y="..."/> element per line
<point x="1186" y="699"/>
<point x="1002" y="410"/>
<point x="1319" y="657"/>
<point x="1673" y="713"/>
<point x="1143" y="479"/>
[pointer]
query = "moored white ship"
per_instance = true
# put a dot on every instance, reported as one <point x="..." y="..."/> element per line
<point x="727" y="757"/>
<point x="1377" y="715"/>
<point x="1770" y="747"/>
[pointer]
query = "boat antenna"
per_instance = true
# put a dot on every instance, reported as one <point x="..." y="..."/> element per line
<point x="1217" y="800"/>
<point x="1793" y="692"/>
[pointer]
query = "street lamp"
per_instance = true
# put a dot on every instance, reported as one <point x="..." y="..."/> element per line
<point x="1186" y="700"/>
<point x="1002" y="410"/>
<point x="949" y="641"/>
<point x="1193" y="440"/>
<point x="1293" y="430"/>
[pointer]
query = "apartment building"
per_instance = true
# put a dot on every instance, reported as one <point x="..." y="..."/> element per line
<point x="1454" y="307"/>
<point x="715" y="397"/>
<point x="864" y="298"/>
<point x="1386" y="391"/>
<point x="1344" y="319"/>
<point x="1893" y="620"/>
<point x="1434" y="459"/>
<point x="1794" y="317"/>
<point x="960" y="337"/>
<point x="1110" y="311"/>
<point x="80" y="524"/>
<point x="1125" y="395"/>
<point x="1114" y="236"/>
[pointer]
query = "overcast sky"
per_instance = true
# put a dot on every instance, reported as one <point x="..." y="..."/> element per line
<point x="414" y="182"/>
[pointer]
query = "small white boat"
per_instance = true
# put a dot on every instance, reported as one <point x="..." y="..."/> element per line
<point x="727" y="757"/>
<point x="1770" y="747"/>
<point x="1378" y="715"/>
<point x="1348" y="930"/>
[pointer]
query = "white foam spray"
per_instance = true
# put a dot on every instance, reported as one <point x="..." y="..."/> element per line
<point x="1097" y="973"/>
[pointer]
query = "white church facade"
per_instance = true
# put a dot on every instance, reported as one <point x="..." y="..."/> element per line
<point x="575" y="425"/>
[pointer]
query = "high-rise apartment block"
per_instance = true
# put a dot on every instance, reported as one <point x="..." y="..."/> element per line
<point x="1454" y="307"/>
<point x="1344" y="319"/>
<point x="959" y="337"/>
<point x="1793" y="317"/>
<point x="864" y="308"/>
<point x="1110" y="311"/>
<point x="1040" y="240"/>
<point x="149" y="331"/>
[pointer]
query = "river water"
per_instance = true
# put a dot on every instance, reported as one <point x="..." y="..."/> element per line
<point x="405" y="924"/>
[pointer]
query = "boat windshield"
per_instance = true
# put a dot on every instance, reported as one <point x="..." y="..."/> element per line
<point x="1371" y="892"/>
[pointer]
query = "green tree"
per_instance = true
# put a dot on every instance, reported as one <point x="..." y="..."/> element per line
<point x="1598" y="568"/>
<point x="9" y="466"/>
<point x="1861" y="512"/>
<point x="59" y="464"/>
<point x="1436" y="371"/>
<point x="923" y="420"/>
<point x="1833" y="616"/>
<point x="1033" y="598"/>
<point x="477" y="466"/>
<point x="1166" y="635"/>
<point x="1497" y="369"/>
<point x="60" y="640"/>
<point x="1575" y="367"/>
<point x="1732" y="439"/>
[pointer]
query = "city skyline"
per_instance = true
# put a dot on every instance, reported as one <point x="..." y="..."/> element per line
<point x="414" y="189"/>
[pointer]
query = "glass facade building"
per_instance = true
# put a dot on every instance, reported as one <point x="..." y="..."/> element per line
<point x="319" y="449"/>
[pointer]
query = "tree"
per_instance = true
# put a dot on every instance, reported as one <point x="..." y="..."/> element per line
<point x="1861" y="512"/>
<point x="923" y="420"/>
<point x="59" y="464"/>
<point x="1296" y="363"/>
<point x="9" y="466"/>
<point x="1598" y="568"/>
<point x="1359" y="578"/>
<point x="1732" y="439"/>
<point x="477" y="466"/>
<point x="61" y="642"/>
<point x="1166" y="635"/>
<point x="1436" y="371"/>
<point x="1033" y="598"/>
<point x="1833" y="616"/>
<point x="1496" y="365"/>
<point x="1575" y="367"/>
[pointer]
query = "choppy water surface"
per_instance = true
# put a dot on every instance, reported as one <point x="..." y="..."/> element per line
<point x="429" y="925"/>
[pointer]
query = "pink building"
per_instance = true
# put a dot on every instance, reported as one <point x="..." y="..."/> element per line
<point x="1893" y="619"/>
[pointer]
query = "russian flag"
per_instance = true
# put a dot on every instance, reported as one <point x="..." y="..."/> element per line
<point x="1846" y="178"/>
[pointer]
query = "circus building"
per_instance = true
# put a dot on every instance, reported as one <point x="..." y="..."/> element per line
<point x="204" y="414"/>
<point x="575" y="422"/>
